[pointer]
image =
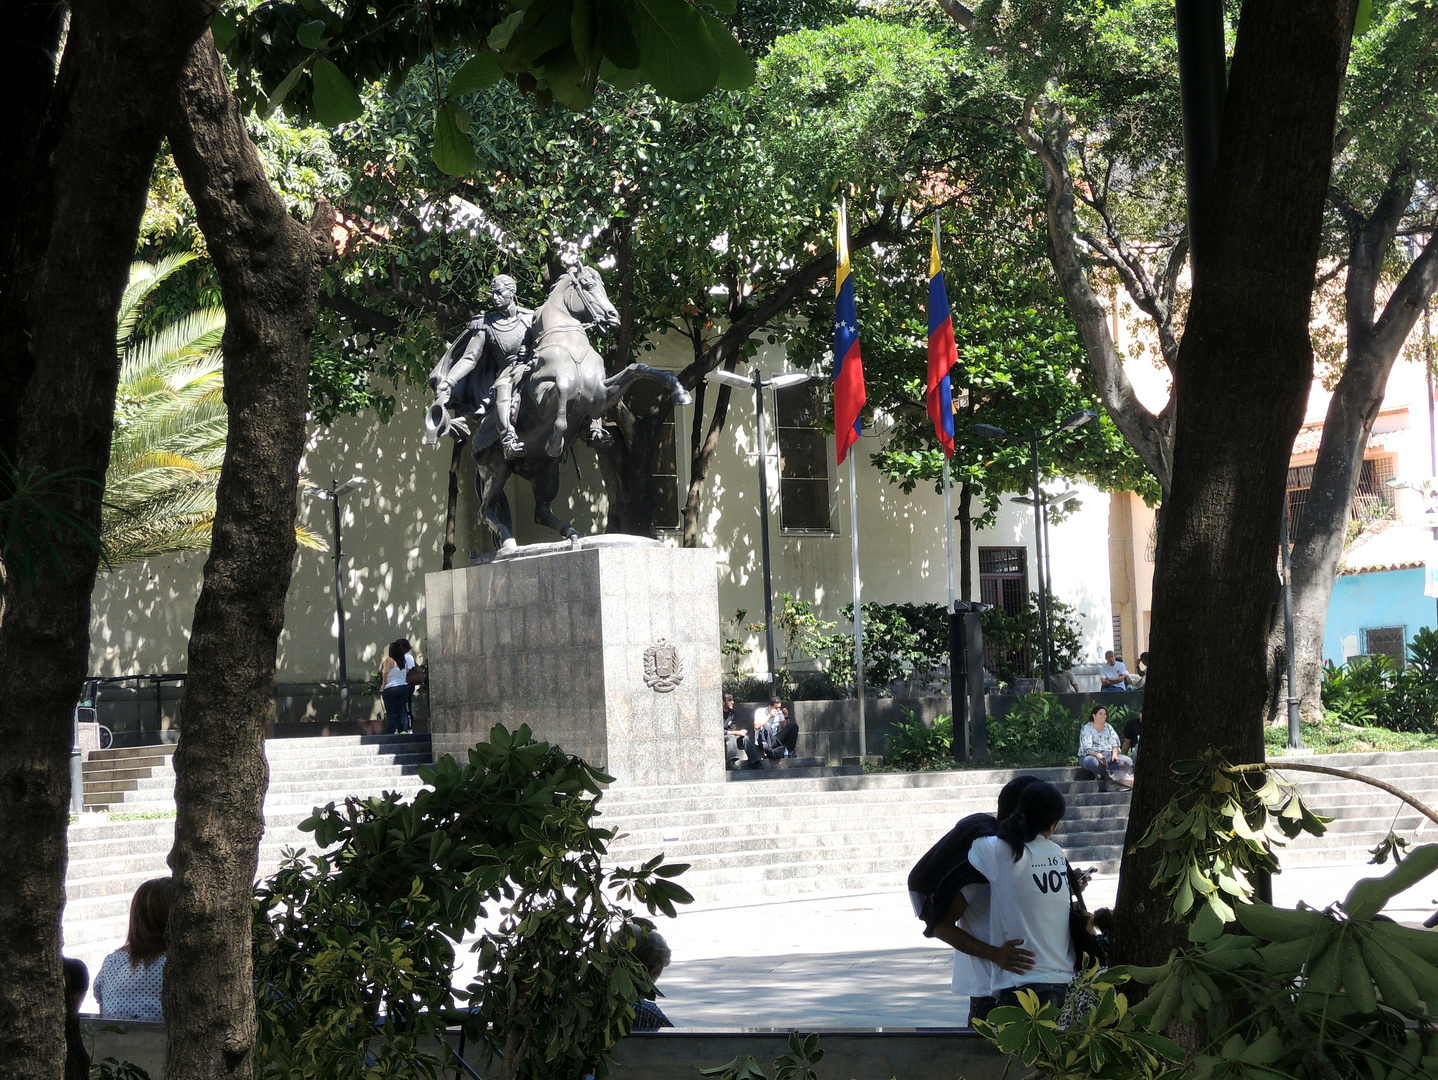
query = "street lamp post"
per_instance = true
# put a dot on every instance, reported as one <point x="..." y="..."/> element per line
<point x="759" y="384"/>
<point x="1034" y="439"/>
<point x="1063" y="498"/>
<point x="336" y="490"/>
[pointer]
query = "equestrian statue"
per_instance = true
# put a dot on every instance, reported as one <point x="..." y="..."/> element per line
<point x="522" y="385"/>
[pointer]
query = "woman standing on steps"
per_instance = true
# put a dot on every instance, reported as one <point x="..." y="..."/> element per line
<point x="396" y="688"/>
<point x="1029" y="896"/>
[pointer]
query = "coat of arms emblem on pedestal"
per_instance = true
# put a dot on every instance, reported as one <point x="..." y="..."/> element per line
<point x="663" y="670"/>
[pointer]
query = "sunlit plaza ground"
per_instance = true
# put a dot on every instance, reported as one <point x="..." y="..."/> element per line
<point x="860" y="960"/>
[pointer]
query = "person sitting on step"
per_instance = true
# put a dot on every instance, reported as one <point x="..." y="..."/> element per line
<point x="1099" y="753"/>
<point x="779" y="737"/>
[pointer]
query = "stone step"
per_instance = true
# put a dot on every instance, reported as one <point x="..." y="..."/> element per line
<point x="790" y="771"/>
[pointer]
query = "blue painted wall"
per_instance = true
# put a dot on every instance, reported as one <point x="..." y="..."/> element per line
<point x="1383" y="598"/>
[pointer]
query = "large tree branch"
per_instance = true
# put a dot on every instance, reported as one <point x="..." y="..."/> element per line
<point x="777" y="298"/>
<point x="269" y="268"/>
<point x="959" y="13"/>
<point x="1369" y="244"/>
<point x="356" y="312"/>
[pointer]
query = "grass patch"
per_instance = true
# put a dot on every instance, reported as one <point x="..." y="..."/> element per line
<point x="143" y="815"/>
<point x="1332" y="737"/>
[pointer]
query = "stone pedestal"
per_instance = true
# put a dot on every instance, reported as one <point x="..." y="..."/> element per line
<point x="608" y="647"/>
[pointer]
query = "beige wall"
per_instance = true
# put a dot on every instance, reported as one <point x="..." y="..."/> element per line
<point x="393" y="529"/>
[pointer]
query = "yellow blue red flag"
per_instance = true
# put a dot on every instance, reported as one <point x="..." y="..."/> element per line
<point x="849" y="394"/>
<point x="943" y="354"/>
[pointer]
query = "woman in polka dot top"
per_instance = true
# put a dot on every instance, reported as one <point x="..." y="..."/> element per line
<point x="128" y="986"/>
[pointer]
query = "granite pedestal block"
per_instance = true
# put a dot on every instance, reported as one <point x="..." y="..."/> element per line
<point x="609" y="648"/>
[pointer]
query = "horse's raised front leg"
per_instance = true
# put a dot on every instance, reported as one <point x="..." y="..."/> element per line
<point x="562" y="387"/>
<point x="546" y="487"/>
<point x="617" y="384"/>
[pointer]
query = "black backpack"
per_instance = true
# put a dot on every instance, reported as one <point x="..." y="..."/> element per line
<point x="944" y="869"/>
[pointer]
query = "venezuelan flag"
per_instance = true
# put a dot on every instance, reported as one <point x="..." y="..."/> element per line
<point x="849" y="394"/>
<point x="943" y="354"/>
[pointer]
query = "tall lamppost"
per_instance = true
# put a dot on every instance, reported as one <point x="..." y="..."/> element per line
<point x="1034" y="438"/>
<point x="759" y="384"/>
<point x="335" y="492"/>
<point x="1062" y="499"/>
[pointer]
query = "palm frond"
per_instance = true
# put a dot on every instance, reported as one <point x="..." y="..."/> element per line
<point x="144" y="279"/>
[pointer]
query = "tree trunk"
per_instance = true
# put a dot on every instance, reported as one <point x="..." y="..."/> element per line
<point x="701" y="454"/>
<point x="1374" y="343"/>
<point x="92" y="139"/>
<point x="451" y="504"/>
<point x="269" y="271"/>
<point x="1241" y="383"/>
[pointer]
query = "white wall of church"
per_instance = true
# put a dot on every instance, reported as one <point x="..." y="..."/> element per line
<point x="393" y="532"/>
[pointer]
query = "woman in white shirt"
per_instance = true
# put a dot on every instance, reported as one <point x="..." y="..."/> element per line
<point x="1099" y="751"/>
<point x="395" y="689"/>
<point x="130" y="979"/>
<point x="1029" y="896"/>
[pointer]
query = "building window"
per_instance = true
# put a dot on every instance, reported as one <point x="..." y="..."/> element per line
<point x="1385" y="641"/>
<point x="644" y="398"/>
<point x="1118" y="637"/>
<point x="1004" y="578"/>
<point x="803" y="459"/>
<point x="1372" y="498"/>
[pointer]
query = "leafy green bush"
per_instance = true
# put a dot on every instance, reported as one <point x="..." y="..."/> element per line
<point x="354" y="954"/>
<point x="915" y="745"/>
<point x="1371" y="690"/>
<point x="1013" y="644"/>
<point x="1037" y="724"/>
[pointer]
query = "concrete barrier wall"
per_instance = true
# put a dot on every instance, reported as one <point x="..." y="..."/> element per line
<point x="678" y="1054"/>
<point x="830" y="729"/>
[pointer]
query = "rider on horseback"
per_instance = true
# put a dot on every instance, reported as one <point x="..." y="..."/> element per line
<point x="481" y="369"/>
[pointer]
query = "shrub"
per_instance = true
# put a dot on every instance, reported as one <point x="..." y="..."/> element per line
<point x="915" y="745"/>
<point x="1372" y="690"/>
<point x="1038" y="724"/>
<point x="1013" y="644"/>
<point x="354" y="949"/>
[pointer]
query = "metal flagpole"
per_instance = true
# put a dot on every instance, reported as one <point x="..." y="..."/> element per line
<point x="858" y="607"/>
<point x="949" y="531"/>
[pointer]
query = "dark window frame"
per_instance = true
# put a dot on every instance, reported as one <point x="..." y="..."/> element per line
<point x="805" y="494"/>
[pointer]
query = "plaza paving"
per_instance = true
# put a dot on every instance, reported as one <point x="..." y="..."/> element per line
<point x="861" y="961"/>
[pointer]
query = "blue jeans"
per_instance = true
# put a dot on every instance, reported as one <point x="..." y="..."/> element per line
<point x="396" y="708"/>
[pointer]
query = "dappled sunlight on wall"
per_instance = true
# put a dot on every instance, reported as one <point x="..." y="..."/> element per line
<point x="140" y="615"/>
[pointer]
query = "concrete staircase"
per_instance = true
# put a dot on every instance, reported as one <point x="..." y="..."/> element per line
<point x="750" y="842"/>
<point x="109" y="860"/>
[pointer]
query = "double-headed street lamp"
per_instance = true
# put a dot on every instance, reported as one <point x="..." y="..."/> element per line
<point x="759" y="384"/>
<point x="1034" y="438"/>
<point x="335" y="492"/>
<point x="1062" y="499"/>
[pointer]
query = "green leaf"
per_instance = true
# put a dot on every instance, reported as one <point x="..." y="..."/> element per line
<point x="1207" y="926"/>
<point x="1363" y="19"/>
<point x="335" y="99"/>
<point x="282" y="91"/>
<point x="736" y="69"/>
<point x="453" y="153"/>
<point x="620" y="78"/>
<point x="680" y="59"/>
<point x="498" y="39"/>
<point x="616" y="36"/>
<point x="309" y="33"/>
<point x="223" y="28"/>
<point x="478" y="72"/>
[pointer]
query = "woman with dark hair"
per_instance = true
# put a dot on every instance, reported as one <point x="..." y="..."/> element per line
<point x="395" y="688"/>
<point x="128" y="986"/>
<point x="1029" y="895"/>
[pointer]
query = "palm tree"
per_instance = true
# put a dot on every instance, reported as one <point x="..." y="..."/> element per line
<point x="170" y="424"/>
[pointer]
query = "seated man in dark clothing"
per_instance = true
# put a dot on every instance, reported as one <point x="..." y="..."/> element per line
<point x="1132" y="733"/>
<point x="779" y="736"/>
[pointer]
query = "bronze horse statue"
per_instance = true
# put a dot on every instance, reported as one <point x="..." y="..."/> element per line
<point x="557" y="401"/>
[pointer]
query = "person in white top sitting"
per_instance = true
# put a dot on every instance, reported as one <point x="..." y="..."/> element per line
<point x="1099" y="751"/>
<point x="1029" y="896"/>
<point x="128" y="986"/>
<point x="395" y="689"/>
<point x="1112" y="675"/>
